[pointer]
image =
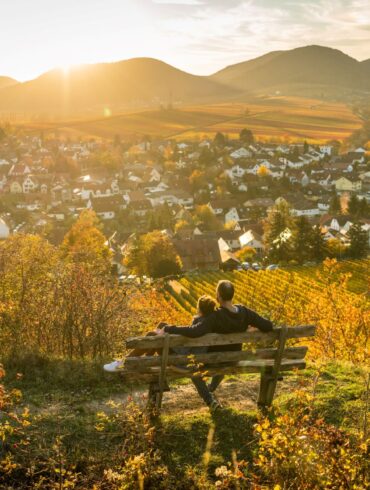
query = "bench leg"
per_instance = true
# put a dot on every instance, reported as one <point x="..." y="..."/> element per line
<point x="152" y="396"/>
<point x="267" y="389"/>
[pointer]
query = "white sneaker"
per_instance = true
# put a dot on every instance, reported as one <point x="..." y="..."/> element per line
<point x="113" y="367"/>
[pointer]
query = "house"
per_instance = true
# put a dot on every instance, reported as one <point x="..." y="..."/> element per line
<point x="106" y="207"/>
<point x="15" y="186"/>
<point x="336" y="223"/>
<point x="251" y="239"/>
<point x="4" y="230"/>
<point x="258" y="205"/>
<point x="323" y="204"/>
<point x="305" y="208"/>
<point x="231" y="215"/>
<point x="29" y="184"/>
<point x="235" y="172"/>
<point x="172" y="198"/>
<point x="230" y="238"/>
<point x="141" y="208"/>
<point x="292" y="163"/>
<point x="58" y="213"/>
<point x="348" y="184"/>
<point x="198" y="253"/>
<point x="326" y="149"/>
<point x="228" y="260"/>
<point x="19" y="170"/>
<point x="61" y="193"/>
<point x="241" y="153"/>
<point x="220" y="206"/>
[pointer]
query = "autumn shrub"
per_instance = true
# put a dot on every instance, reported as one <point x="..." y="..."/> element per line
<point x="300" y="448"/>
<point x="11" y="428"/>
<point x="54" y="306"/>
<point x="137" y="461"/>
<point x="342" y="319"/>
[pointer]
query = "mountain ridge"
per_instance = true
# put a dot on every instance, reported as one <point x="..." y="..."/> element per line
<point x="148" y="82"/>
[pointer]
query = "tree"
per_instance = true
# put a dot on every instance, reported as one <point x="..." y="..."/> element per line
<point x="305" y="147"/>
<point x="246" y="254"/>
<point x="363" y="209"/>
<point x="153" y="255"/>
<point x="204" y="216"/>
<point x="197" y="180"/>
<point x="219" y="140"/>
<point x="317" y="244"/>
<point x="277" y="236"/>
<point x="263" y="171"/>
<point x="301" y="239"/>
<point x="335" y="248"/>
<point x="85" y="243"/>
<point x="246" y="136"/>
<point x="335" y="206"/>
<point x="206" y="157"/>
<point x="359" y="244"/>
<point x="353" y="207"/>
<point x="183" y="225"/>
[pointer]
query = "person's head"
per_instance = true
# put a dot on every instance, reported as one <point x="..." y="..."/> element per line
<point x="206" y="305"/>
<point x="224" y="291"/>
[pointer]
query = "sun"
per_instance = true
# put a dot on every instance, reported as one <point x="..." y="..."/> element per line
<point x="65" y="68"/>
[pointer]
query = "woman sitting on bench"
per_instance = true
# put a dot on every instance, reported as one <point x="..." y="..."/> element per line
<point x="205" y="306"/>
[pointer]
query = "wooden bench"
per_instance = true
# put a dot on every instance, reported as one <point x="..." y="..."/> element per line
<point x="269" y="361"/>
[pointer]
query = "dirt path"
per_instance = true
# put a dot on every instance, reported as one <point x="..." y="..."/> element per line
<point x="238" y="393"/>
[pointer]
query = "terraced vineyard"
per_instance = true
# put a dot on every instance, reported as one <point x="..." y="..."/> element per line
<point x="270" y="292"/>
<point x="359" y="270"/>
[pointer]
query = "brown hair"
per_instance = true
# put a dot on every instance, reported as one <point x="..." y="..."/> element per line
<point x="206" y="305"/>
<point x="225" y="290"/>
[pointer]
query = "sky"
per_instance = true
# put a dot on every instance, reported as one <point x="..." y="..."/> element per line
<point x="198" y="36"/>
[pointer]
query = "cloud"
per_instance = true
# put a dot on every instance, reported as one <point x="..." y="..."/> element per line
<point x="219" y="32"/>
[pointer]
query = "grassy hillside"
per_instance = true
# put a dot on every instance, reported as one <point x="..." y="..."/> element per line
<point x="282" y="118"/>
<point x="65" y="423"/>
<point x="86" y="429"/>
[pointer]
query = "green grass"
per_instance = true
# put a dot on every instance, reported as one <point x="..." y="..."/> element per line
<point x="65" y="397"/>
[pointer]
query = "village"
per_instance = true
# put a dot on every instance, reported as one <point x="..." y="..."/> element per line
<point x="210" y="197"/>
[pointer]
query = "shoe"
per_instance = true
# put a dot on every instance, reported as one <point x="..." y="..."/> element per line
<point x="215" y="406"/>
<point x="113" y="367"/>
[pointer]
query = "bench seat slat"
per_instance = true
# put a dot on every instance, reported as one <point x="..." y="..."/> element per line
<point x="241" y="367"/>
<point x="215" y="357"/>
<point x="155" y="342"/>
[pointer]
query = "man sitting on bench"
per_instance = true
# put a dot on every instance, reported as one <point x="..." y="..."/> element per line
<point x="229" y="318"/>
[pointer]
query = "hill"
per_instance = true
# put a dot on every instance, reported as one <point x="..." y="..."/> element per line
<point x="7" y="82"/>
<point x="138" y="83"/>
<point x="94" y="88"/>
<point x="327" y="70"/>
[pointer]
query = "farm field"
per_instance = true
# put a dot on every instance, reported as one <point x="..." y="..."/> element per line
<point x="280" y="118"/>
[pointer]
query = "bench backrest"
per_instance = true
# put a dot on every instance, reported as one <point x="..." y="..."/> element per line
<point x="267" y="355"/>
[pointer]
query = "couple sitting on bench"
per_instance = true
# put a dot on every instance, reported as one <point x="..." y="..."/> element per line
<point x="228" y="318"/>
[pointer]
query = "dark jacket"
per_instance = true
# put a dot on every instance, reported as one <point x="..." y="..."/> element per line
<point x="223" y="321"/>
